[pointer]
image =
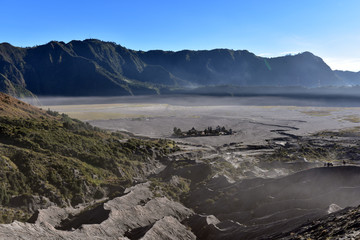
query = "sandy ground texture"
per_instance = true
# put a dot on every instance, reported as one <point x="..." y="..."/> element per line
<point x="252" y="124"/>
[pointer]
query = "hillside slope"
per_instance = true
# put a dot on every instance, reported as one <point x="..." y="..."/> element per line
<point x="93" y="67"/>
<point x="50" y="159"/>
<point x="349" y="78"/>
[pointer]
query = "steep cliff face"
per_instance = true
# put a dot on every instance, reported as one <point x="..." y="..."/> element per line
<point x="242" y="68"/>
<point x="94" y="67"/>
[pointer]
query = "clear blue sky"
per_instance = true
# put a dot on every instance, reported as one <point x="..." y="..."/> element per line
<point x="328" y="28"/>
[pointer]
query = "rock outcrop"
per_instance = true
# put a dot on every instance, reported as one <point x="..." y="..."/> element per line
<point x="137" y="209"/>
<point x="168" y="228"/>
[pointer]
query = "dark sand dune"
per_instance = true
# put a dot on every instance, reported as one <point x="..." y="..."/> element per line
<point x="268" y="206"/>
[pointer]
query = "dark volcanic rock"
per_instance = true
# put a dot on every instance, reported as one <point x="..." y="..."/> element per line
<point x="257" y="208"/>
<point x="343" y="224"/>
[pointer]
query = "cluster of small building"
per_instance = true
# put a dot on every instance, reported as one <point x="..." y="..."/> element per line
<point x="206" y="132"/>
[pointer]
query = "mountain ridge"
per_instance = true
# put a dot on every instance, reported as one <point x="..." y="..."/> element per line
<point x="96" y="68"/>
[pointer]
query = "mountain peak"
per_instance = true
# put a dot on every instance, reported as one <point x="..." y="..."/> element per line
<point x="307" y="53"/>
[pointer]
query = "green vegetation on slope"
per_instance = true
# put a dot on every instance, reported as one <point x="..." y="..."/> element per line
<point x="51" y="155"/>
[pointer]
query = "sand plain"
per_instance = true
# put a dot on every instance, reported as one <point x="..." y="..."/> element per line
<point x="253" y="124"/>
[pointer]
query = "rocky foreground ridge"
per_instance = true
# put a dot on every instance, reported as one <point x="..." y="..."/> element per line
<point x="136" y="214"/>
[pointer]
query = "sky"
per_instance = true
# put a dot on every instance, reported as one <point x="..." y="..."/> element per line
<point x="328" y="28"/>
